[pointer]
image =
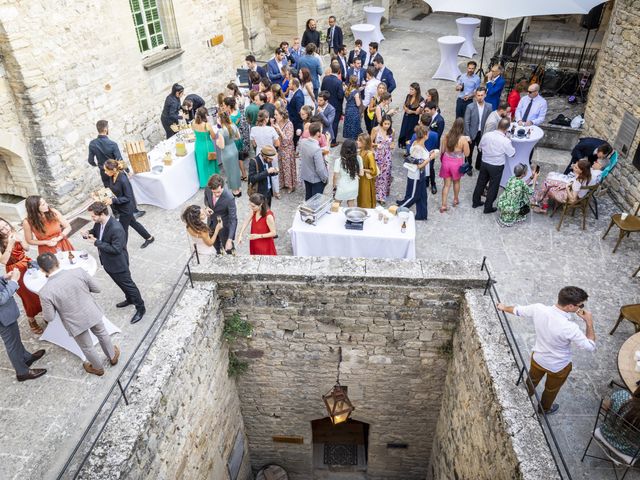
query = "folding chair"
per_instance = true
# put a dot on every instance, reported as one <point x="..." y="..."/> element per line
<point x="613" y="161"/>
<point x="608" y="422"/>
<point x="582" y="204"/>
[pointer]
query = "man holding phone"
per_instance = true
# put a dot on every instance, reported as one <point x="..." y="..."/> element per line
<point x="554" y="335"/>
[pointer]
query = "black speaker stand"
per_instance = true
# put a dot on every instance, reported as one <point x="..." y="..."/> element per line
<point x="481" y="70"/>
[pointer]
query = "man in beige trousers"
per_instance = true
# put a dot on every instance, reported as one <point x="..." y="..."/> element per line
<point x="68" y="293"/>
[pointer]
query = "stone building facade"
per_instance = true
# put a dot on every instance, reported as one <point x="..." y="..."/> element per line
<point x="81" y="62"/>
<point x="613" y="92"/>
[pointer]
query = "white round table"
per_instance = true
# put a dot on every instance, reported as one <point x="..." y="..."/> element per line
<point x="523" y="148"/>
<point x="449" y="47"/>
<point x="466" y="28"/>
<point x="364" y="32"/>
<point x="374" y="17"/>
<point x="55" y="332"/>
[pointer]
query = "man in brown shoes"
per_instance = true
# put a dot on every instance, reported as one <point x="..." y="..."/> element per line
<point x="68" y="293"/>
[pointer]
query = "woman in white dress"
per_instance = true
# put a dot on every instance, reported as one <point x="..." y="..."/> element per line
<point x="200" y="237"/>
<point x="307" y="87"/>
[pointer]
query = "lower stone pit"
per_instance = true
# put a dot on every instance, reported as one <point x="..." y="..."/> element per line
<point x="423" y="359"/>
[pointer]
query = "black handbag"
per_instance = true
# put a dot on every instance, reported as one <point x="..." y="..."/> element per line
<point x="464" y="168"/>
<point x="524" y="210"/>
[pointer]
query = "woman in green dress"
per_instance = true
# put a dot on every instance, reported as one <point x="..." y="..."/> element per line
<point x="204" y="145"/>
<point x="230" y="163"/>
<point x="242" y="143"/>
<point x="516" y="195"/>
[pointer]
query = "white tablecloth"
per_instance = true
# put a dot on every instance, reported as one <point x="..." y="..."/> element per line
<point x="174" y="185"/>
<point x="449" y="48"/>
<point x="523" y="148"/>
<point x="364" y="32"/>
<point x="466" y="28"/>
<point x="55" y="332"/>
<point x="374" y="17"/>
<point x="330" y="238"/>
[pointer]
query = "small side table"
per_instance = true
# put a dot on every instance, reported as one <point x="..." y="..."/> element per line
<point x="627" y="362"/>
<point x="449" y="47"/>
<point x="466" y="28"/>
<point x="364" y="32"/>
<point x="374" y="17"/>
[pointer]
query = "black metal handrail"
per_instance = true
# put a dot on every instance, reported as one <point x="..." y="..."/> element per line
<point x="549" y="436"/>
<point x="131" y="367"/>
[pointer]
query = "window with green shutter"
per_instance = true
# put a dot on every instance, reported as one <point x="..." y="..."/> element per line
<point x="146" y="19"/>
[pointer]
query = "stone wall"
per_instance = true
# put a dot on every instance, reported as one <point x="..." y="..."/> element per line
<point x="613" y="92"/>
<point x="183" y="414"/>
<point x="74" y="66"/>
<point x="486" y="428"/>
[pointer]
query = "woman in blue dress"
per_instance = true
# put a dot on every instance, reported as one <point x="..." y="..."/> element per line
<point x="352" y="111"/>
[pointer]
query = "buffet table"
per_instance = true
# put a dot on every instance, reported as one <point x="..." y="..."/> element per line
<point x="330" y="238"/>
<point x="523" y="148"/>
<point x="55" y="332"/>
<point x="173" y="186"/>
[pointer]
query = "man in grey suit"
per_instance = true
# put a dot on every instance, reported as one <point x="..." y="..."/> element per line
<point x="221" y="203"/>
<point x="475" y="118"/>
<point x="68" y="293"/>
<point x="313" y="170"/>
<point x="10" y="333"/>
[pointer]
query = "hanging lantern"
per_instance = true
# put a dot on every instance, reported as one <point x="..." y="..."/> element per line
<point x="338" y="404"/>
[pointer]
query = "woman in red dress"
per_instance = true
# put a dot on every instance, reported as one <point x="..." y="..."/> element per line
<point x="263" y="227"/>
<point x="13" y="255"/>
<point x="45" y="227"/>
<point x="513" y="99"/>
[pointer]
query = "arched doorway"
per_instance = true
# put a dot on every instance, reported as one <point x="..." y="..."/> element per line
<point x="339" y="451"/>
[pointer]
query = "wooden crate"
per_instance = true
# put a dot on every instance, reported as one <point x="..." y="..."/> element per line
<point x="137" y="156"/>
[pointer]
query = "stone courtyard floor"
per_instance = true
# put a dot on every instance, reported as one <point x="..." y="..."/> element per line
<point x="43" y="419"/>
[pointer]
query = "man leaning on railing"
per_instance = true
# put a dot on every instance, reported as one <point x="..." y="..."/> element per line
<point x="554" y="335"/>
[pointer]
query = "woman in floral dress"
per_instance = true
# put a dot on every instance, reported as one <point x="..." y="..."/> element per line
<point x="382" y="136"/>
<point x="286" y="150"/>
<point x="516" y="195"/>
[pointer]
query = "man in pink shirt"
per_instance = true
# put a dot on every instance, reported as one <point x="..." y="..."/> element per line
<point x="555" y="333"/>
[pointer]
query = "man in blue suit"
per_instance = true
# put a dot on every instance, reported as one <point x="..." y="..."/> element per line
<point x="274" y="66"/>
<point x="384" y="74"/>
<point x="10" y="333"/>
<point x="495" y="85"/>
<point x="253" y="65"/>
<point x="591" y="148"/>
<point x="293" y="107"/>
<point x="333" y="85"/>
<point x="327" y="114"/>
<point x="357" y="52"/>
<point x="296" y="51"/>
<point x="334" y="36"/>
<point x="358" y="71"/>
<point x="308" y="60"/>
<point x="342" y="61"/>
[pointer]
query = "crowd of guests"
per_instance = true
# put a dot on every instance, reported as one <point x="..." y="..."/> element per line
<point x="276" y="138"/>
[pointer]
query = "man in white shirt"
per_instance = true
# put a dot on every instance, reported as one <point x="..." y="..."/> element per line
<point x="370" y="89"/>
<point x="554" y="335"/>
<point x="503" y="111"/>
<point x="495" y="148"/>
<point x="532" y="108"/>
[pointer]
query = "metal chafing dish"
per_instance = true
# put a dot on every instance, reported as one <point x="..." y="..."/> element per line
<point x="356" y="214"/>
<point x="314" y="208"/>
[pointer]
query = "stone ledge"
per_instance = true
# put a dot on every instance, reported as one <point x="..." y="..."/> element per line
<point x="161" y="58"/>
<point x="560" y="137"/>
<point x="464" y="274"/>
<point x="520" y="423"/>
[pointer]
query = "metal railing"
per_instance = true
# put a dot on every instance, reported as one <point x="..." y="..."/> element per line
<point x="118" y="391"/>
<point x="522" y="363"/>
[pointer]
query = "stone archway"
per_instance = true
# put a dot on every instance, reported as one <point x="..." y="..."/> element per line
<point x="16" y="178"/>
<point x="339" y="451"/>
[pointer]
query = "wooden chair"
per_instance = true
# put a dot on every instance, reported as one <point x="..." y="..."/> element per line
<point x="636" y="272"/>
<point x="629" y="312"/>
<point x="582" y="204"/>
<point x="626" y="226"/>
